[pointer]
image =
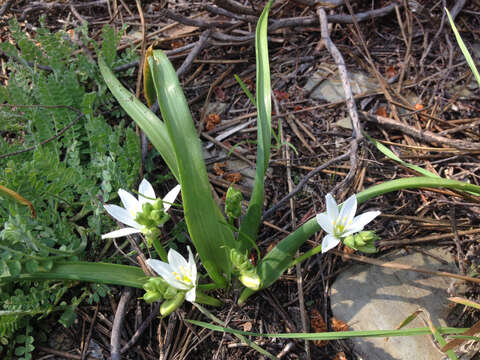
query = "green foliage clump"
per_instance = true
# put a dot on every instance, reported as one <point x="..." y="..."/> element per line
<point x="52" y="95"/>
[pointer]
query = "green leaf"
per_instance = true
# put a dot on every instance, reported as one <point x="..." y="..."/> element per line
<point x="31" y="266"/>
<point x="20" y="350"/>
<point x="332" y="335"/>
<point x="388" y="153"/>
<point x="15" y="267"/>
<point x="153" y="127"/>
<point x="102" y="273"/>
<point x="251" y="221"/>
<point x="464" y="49"/>
<point x="203" y="217"/>
<point x="68" y="317"/>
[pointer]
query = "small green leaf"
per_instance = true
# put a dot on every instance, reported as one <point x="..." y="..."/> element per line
<point x="31" y="266"/>
<point x="15" y="267"/>
<point x="20" y="350"/>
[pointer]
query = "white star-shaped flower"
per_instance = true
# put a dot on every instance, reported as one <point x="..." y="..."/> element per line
<point x="132" y="206"/>
<point x="339" y="224"/>
<point x="179" y="273"/>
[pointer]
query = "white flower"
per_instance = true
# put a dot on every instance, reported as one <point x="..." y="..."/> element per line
<point x="132" y="206"/>
<point x="179" y="273"/>
<point x="338" y="225"/>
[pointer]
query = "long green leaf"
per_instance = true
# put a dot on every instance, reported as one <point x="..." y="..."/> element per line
<point x="204" y="219"/>
<point x="464" y="49"/>
<point x="332" y="335"/>
<point x="388" y="153"/>
<point x="102" y="273"/>
<point x="251" y="221"/>
<point x="272" y="266"/>
<point x="153" y="127"/>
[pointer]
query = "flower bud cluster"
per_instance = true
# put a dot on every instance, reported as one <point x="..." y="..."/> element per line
<point x="245" y="269"/>
<point x="157" y="289"/>
<point x="363" y="241"/>
<point x="233" y="203"/>
<point x="150" y="218"/>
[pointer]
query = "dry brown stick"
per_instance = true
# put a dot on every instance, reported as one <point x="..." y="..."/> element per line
<point x="340" y="19"/>
<point x="63" y="354"/>
<point x="302" y="183"/>
<point x="298" y="267"/>
<point x="201" y="43"/>
<point x="427" y="136"/>
<point x="142" y="135"/>
<point x="429" y="238"/>
<point x="141" y="328"/>
<point x="117" y="324"/>
<point x="394" y="265"/>
<point x="350" y="102"/>
<point x="236" y="7"/>
<point x="219" y="11"/>
<point x="84" y="352"/>
<point x="196" y="22"/>
<point x="6" y="7"/>
<point x="226" y="148"/>
<point x="456" y="238"/>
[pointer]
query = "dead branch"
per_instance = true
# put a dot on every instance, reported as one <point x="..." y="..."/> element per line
<point x="350" y="102"/>
<point x="117" y="323"/>
<point x="199" y="46"/>
<point x="423" y="135"/>
<point x="236" y="7"/>
<point x="340" y="19"/>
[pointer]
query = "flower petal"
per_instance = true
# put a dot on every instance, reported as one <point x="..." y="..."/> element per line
<point x="122" y="215"/>
<point x="329" y="242"/>
<point x="121" y="232"/>
<point x="145" y="188"/>
<point x="166" y="272"/>
<point x="192" y="266"/>
<point x="360" y="221"/>
<point x="131" y="204"/>
<point x="349" y="208"/>
<point x="332" y="207"/>
<point x="191" y="295"/>
<point x="170" y="197"/>
<point x="177" y="262"/>
<point x="325" y="222"/>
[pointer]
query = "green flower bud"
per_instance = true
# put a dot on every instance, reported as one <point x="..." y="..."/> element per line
<point x="363" y="241"/>
<point x="233" y="203"/>
<point x="150" y="297"/>
<point x="158" y="204"/>
<point x="157" y="215"/>
<point x="173" y="304"/>
<point x="147" y="208"/>
<point x="251" y="280"/>
<point x="170" y="293"/>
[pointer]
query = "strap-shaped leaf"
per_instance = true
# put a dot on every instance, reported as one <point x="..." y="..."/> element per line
<point x="101" y="273"/>
<point x="251" y="221"/>
<point x="206" y="224"/>
<point x="272" y="266"/>
<point x="153" y="127"/>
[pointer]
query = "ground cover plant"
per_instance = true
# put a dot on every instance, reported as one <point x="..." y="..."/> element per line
<point x="228" y="247"/>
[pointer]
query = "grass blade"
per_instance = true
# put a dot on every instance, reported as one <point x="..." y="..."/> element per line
<point x="332" y="335"/>
<point x="464" y="49"/>
<point x="251" y="221"/>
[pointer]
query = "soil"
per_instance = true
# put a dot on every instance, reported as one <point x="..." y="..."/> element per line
<point x="427" y="87"/>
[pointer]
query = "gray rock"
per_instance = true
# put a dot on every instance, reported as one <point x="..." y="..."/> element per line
<point x="369" y="297"/>
<point x="326" y="85"/>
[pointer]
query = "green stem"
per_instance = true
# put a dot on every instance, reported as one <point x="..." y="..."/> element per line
<point x="160" y="249"/>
